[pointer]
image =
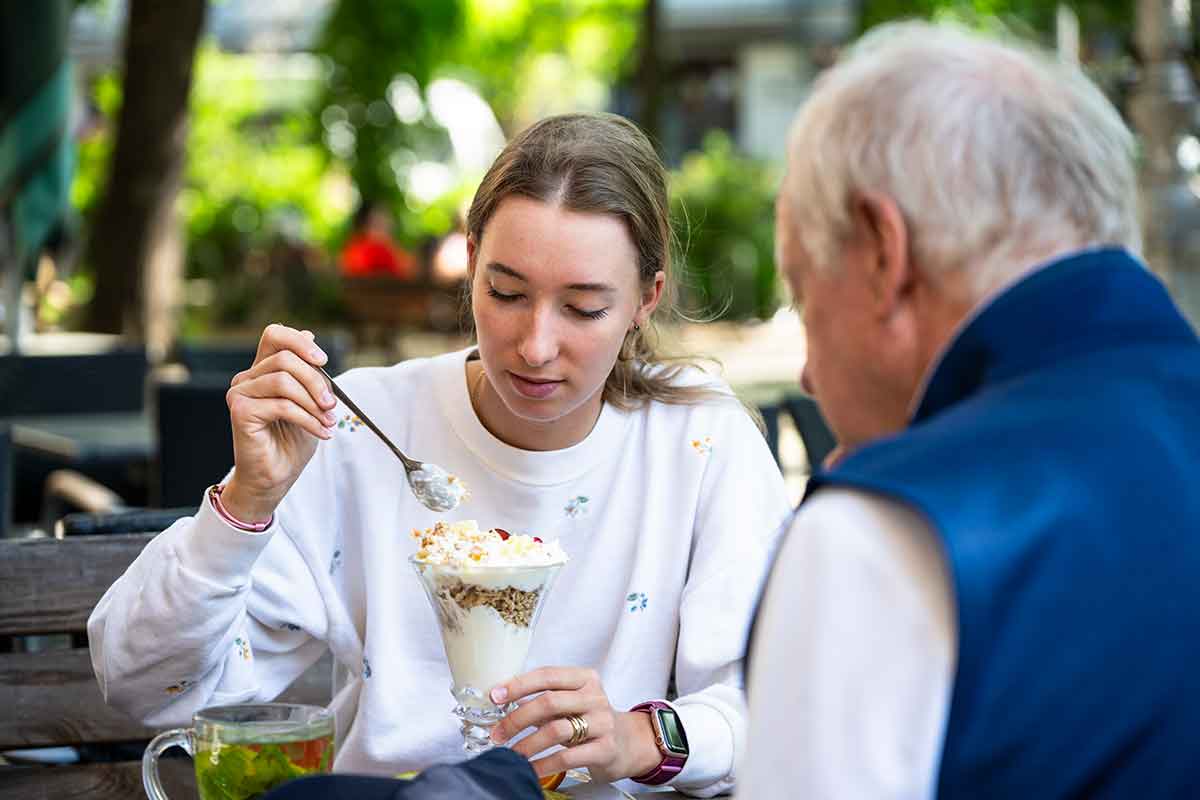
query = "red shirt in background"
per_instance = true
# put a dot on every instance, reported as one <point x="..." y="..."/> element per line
<point x="366" y="254"/>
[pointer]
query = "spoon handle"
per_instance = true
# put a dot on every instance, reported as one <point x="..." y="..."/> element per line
<point x="409" y="464"/>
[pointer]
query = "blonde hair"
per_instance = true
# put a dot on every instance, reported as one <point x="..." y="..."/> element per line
<point x="602" y="163"/>
<point x="997" y="155"/>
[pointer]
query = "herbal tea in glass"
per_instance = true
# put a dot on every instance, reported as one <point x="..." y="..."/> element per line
<point x="242" y="752"/>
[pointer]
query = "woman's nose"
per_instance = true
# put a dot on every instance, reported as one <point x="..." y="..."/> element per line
<point x="539" y="344"/>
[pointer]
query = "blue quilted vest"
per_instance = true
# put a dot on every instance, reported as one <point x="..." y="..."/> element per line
<point x="1056" y="453"/>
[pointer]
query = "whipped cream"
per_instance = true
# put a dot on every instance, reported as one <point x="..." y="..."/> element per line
<point x="464" y="545"/>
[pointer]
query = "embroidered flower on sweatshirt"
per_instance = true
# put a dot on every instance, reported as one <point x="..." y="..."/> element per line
<point x="350" y="421"/>
<point x="703" y="446"/>
<point x="637" y="601"/>
<point x="178" y="688"/>
<point x="289" y="626"/>
<point x="243" y="648"/>
<point x="577" y="507"/>
<point x="335" y="562"/>
<point x="366" y="669"/>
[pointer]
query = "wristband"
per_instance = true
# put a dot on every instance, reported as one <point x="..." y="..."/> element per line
<point x="214" y="497"/>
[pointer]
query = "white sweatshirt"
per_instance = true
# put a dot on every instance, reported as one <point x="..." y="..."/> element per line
<point x="669" y="515"/>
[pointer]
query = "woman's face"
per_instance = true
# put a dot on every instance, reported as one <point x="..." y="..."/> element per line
<point x="553" y="294"/>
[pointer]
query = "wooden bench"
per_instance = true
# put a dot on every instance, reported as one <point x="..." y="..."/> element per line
<point x="51" y="698"/>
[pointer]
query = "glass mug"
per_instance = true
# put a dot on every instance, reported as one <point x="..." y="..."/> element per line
<point x="244" y="751"/>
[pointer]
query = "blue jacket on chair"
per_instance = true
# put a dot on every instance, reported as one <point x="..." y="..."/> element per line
<point x="1056" y="453"/>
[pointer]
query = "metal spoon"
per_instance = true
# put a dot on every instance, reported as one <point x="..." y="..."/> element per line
<point x="433" y="486"/>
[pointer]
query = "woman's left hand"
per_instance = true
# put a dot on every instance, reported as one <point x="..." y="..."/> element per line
<point x="618" y="744"/>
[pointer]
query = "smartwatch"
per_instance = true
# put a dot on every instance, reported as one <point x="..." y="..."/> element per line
<point x="670" y="738"/>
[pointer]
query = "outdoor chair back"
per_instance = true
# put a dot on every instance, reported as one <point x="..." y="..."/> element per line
<point x="92" y="383"/>
<point x="195" y="439"/>
<point x="6" y="488"/>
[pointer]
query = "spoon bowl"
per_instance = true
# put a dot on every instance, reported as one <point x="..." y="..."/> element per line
<point x="434" y="487"/>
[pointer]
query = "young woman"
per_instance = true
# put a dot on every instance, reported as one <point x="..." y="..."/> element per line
<point x="564" y="422"/>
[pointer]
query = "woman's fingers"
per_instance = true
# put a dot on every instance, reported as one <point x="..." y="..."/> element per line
<point x="283" y="385"/>
<point x="276" y="338"/>
<point x="544" y="679"/>
<point x="286" y="361"/>
<point x="559" y="732"/>
<point x="540" y="711"/>
<point x="280" y="410"/>
<point x="597" y="751"/>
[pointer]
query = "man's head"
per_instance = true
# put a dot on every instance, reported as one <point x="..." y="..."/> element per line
<point x="928" y="169"/>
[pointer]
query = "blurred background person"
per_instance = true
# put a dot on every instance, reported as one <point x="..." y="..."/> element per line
<point x="371" y="251"/>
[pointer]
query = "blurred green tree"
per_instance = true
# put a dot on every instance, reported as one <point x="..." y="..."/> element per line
<point x="374" y="49"/>
<point x="526" y="58"/>
<point x="530" y="58"/>
<point x="1032" y="15"/>
<point x="723" y="213"/>
<point x="260" y="200"/>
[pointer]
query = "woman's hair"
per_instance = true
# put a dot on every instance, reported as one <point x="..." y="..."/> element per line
<point x="996" y="154"/>
<point x="602" y="163"/>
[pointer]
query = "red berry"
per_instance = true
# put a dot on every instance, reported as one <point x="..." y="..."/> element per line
<point x="536" y="539"/>
<point x="503" y="534"/>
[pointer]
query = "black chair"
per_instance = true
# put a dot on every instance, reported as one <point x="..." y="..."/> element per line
<point x="215" y="358"/>
<point x="229" y="358"/>
<point x="5" y="480"/>
<point x="814" y="430"/>
<point x="93" y="383"/>
<point x="195" y="440"/>
<point x="136" y="520"/>
<point x="770" y="418"/>
<point x="74" y="386"/>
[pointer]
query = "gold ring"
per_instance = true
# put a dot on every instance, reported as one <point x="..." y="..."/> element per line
<point x="579" y="729"/>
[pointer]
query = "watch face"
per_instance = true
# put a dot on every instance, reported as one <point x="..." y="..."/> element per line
<point x="672" y="732"/>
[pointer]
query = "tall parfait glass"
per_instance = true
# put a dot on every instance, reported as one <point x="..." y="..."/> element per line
<point x="486" y="615"/>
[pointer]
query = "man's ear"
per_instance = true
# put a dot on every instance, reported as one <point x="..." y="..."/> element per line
<point x="882" y="232"/>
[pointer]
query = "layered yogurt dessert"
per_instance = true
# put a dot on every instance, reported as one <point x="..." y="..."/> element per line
<point x="486" y="588"/>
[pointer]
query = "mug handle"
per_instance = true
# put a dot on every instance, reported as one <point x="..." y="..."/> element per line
<point x="177" y="737"/>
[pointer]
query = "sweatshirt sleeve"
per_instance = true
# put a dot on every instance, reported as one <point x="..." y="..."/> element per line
<point x="741" y="513"/>
<point x="206" y="614"/>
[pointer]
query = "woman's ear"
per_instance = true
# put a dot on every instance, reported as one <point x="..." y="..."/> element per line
<point x="651" y="296"/>
<point x="472" y="250"/>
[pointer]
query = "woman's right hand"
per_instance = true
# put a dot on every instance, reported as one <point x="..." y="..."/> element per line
<point x="279" y="408"/>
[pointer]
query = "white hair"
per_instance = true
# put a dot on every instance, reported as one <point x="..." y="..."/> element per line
<point x="996" y="154"/>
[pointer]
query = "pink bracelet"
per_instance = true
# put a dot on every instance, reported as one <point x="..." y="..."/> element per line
<point x="214" y="497"/>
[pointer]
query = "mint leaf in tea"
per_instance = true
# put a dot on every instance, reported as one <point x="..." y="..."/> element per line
<point x="248" y="771"/>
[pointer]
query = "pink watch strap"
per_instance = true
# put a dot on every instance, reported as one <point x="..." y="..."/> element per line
<point x="671" y="764"/>
<point x="214" y="497"/>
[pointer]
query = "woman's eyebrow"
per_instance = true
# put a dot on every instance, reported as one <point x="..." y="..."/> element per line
<point x="503" y="269"/>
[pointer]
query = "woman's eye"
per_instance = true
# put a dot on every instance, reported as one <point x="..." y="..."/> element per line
<point x="599" y="313"/>
<point x="501" y="296"/>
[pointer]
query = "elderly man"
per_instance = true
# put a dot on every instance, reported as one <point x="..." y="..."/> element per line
<point x="997" y="592"/>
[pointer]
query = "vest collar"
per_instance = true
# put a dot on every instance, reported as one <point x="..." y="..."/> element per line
<point x="1073" y="306"/>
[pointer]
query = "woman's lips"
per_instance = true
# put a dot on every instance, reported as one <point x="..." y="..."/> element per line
<point x="533" y="389"/>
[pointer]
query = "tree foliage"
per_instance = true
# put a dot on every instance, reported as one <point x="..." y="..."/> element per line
<point x="1033" y="16"/>
<point x="367" y="45"/>
<point x="532" y="57"/>
<point x="722" y="207"/>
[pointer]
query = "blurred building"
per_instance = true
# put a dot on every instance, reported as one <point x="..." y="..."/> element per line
<point x="743" y="66"/>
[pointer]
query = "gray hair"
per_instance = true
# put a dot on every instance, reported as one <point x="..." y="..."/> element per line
<point x="997" y="155"/>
